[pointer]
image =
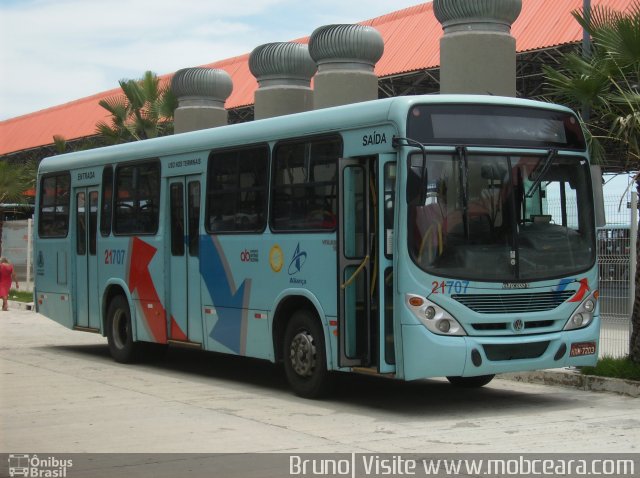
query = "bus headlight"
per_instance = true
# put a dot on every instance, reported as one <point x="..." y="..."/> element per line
<point x="577" y="320"/>
<point x="433" y="317"/>
<point x="429" y="313"/>
<point x="444" y="326"/>
<point x="589" y="305"/>
<point x="583" y="315"/>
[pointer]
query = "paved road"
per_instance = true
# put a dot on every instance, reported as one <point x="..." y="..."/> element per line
<point x="61" y="392"/>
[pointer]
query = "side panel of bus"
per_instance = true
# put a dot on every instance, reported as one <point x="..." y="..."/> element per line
<point x="52" y="253"/>
<point x="247" y="270"/>
<point x="66" y="252"/>
<point x="133" y="255"/>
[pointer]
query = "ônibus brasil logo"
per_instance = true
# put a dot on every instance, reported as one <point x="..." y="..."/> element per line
<point x="35" y="466"/>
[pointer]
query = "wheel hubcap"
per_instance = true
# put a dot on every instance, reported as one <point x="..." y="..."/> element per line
<point x="120" y="329"/>
<point x="303" y="354"/>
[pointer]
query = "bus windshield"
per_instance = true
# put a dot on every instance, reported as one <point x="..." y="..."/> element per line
<point x="500" y="217"/>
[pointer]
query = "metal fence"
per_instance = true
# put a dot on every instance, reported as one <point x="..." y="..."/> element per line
<point x="617" y="263"/>
<point x="17" y="237"/>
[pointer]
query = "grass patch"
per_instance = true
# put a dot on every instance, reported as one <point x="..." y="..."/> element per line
<point x="615" y="368"/>
<point x="20" y="295"/>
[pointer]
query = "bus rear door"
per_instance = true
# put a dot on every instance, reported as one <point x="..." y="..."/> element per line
<point x="86" y="276"/>
<point x="183" y="280"/>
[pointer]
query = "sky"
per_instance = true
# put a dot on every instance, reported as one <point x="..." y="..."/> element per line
<point x="56" y="51"/>
<point x="614" y="189"/>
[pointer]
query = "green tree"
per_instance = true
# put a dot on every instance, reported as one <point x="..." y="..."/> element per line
<point x="15" y="181"/>
<point x="144" y="110"/>
<point x="59" y="144"/>
<point x="608" y="84"/>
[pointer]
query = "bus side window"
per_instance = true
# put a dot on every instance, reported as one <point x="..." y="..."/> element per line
<point x="194" y="217"/>
<point x="107" y="201"/>
<point x="177" y="219"/>
<point x="304" y="183"/>
<point x="81" y="227"/>
<point x="137" y="195"/>
<point x="237" y="190"/>
<point x="93" y="221"/>
<point x="53" y="218"/>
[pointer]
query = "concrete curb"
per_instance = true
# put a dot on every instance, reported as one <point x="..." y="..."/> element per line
<point x="21" y="305"/>
<point x="573" y="378"/>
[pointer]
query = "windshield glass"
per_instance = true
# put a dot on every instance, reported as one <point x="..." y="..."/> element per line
<point x="500" y="217"/>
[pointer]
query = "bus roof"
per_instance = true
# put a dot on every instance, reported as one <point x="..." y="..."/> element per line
<point x="327" y="120"/>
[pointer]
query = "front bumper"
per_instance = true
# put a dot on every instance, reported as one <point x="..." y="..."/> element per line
<point x="429" y="355"/>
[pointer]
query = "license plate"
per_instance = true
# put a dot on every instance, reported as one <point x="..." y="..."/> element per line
<point x="583" y="348"/>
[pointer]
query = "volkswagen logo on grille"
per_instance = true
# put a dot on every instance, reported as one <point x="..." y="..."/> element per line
<point x="518" y="325"/>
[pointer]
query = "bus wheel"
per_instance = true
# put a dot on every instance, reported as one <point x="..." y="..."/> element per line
<point x="470" y="382"/>
<point x="119" y="331"/>
<point x="305" y="361"/>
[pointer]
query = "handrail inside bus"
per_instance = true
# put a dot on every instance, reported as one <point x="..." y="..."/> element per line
<point x="395" y="142"/>
<point x="348" y="282"/>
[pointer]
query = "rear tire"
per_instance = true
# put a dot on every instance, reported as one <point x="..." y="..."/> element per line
<point x="470" y="382"/>
<point x="120" y="332"/>
<point x="304" y="355"/>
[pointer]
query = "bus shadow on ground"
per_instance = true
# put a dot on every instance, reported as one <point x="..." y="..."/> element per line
<point x="428" y="397"/>
<point x="436" y="397"/>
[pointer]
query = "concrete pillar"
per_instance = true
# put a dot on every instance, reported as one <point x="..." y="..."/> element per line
<point x="477" y="51"/>
<point x="201" y="94"/>
<point x="346" y="56"/>
<point x="284" y="72"/>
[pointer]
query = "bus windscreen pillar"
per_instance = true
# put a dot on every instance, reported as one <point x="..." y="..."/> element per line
<point x="346" y="56"/>
<point x="477" y="51"/>
<point x="201" y="94"/>
<point x="283" y="71"/>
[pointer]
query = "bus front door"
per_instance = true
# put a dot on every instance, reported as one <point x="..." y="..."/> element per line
<point x="365" y="252"/>
<point x="86" y="276"/>
<point x="183" y="278"/>
<point x="355" y="331"/>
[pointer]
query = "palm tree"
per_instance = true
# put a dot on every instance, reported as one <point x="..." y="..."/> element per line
<point x="59" y="144"/>
<point x="144" y="110"/>
<point x="15" y="181"/>
<point x="608" y="82"/>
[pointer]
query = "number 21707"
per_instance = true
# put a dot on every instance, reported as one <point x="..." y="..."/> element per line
<point x="450" y="286"/>
<point x="114" y="256"/>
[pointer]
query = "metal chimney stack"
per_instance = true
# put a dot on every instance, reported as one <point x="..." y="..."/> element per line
<point x="346" y="56"/>
<point x="284" y="72"/>
<point x="477" y="51"/>
<point x="201" y="94"/>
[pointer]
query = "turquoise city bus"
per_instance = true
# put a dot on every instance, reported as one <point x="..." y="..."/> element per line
<point x="407" y="237"/>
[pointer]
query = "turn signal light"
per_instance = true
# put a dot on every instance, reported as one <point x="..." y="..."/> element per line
<point x="416" y="301"/>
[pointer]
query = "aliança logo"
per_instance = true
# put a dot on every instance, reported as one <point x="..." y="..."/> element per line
<point x="298" y="260"/>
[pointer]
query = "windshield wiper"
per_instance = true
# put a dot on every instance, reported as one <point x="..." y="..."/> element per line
<point x="463" y="166"/>
<point x="545" y="168"/>
<point x="395" y="142"/>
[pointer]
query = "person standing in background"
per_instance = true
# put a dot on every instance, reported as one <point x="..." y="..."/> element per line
<point x="7" y="275"/>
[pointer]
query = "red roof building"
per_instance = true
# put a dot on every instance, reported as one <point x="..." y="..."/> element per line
<point x="412" y="44"/>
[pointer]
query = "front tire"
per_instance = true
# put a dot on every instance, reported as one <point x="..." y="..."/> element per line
<point x="470" y="382"/>
<point x="304" y="354"/>
<point x="120" y="332"/>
